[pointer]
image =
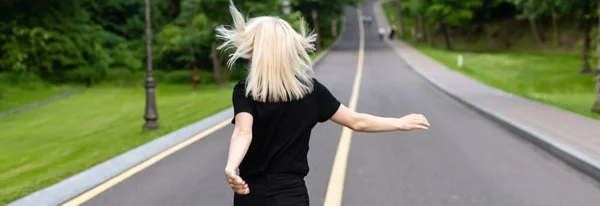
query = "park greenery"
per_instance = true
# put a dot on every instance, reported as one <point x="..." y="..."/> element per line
<point x="91" y="41"/>
<point x="540" y="49"/>
<point x="49" y="47"/>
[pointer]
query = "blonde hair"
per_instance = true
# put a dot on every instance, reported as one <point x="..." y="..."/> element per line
<point x="280" y="66"/>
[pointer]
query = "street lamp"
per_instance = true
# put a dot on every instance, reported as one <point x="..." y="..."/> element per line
<point x="150" y="115"/>
<point x="287" y="9"/>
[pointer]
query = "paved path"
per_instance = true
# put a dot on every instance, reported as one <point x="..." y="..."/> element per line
<point x="579" y="136"/>
<point x="464" y="159"/>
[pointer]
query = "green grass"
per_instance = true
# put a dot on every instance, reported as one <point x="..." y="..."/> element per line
<point x="545" y="76"/>
<point x="12" y="97"/>
<point x="551" y="79"/>
<point x="47" y="144"/>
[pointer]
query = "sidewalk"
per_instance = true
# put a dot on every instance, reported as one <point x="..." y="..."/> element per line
<point x="571" y="137"/>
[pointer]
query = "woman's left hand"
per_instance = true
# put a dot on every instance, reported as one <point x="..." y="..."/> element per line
<point x="237" y="184"/>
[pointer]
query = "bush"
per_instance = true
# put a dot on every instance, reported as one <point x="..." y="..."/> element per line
<point x="238" y="73"/>
<point x="179" y="77"/>
<point x="22" y="79"/>
<point x="206" y="77"/>
<point x="52" y="53"/>
<point x="86" y="75"/>
<point x="159" y="75"/>
<point x="122" y="75"/>
<point x="185" y="77"/>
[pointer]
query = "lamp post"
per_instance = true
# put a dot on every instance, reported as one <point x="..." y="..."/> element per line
<point x="286" y="6"/>
<point x="151" y="115"/>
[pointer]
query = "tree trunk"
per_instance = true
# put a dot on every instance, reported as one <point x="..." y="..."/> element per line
<point x="216" y="64"/>
<point x="195" y="76"/>
<point x="176" y="5"/>
<point x="587" y="41"/>
<point x="596" y="106"/>
<point x="334" y="28"/>
<point x="225" y="71"/>
<point x="446" y="33"/>
<point x="536" y="33"/>
<point x="315" y="18"/>
<point x="556" y="31"/>
<point x="420" y="29"/>
<point x="429" y="36"/>
<point x="400" y="20"/>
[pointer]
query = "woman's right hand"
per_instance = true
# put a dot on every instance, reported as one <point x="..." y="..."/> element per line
<point x="236" y="183"/>
<point x="413" y="122"/>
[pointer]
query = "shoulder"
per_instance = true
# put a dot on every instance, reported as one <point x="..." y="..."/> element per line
<point x="240" y="86"/>
<point x="317" y="85"/>
<point x="239" y="90"/>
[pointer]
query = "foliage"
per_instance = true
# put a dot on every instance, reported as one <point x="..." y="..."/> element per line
<point x="84" y="40"/>
<point x="531" y="9"/>
<point x="453" y="12"/>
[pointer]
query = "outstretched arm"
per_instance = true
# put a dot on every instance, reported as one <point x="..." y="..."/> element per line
<point x="240" y="141"/>
<point x="361" y="122"/>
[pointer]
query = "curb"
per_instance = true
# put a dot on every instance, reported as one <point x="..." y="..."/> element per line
<point x="78" y="184"/>
<point x="568" y="154"/>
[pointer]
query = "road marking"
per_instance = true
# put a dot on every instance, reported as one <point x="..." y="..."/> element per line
<point x="130" y="172"/>
<point x="335" y="188"/>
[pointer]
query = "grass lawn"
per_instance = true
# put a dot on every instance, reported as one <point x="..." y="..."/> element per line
<point x="553" y="79"/>
<point x="47" y="144"/>
<point x="13" y="97"/>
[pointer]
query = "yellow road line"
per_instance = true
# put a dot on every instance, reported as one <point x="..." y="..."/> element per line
<point x="335" y="188"/>
<point x="130" y="172"/>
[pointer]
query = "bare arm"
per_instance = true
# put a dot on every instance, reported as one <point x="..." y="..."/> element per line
<point x="240" y="141"/>
<point x="361" y="122"/>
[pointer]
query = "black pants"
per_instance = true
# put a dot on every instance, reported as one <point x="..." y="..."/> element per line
<point x="274" y="190"/>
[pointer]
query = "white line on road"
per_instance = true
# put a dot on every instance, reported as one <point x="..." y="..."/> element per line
<point x="335" y="188"/>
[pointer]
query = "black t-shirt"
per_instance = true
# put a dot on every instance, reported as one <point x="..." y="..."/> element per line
<point x="281" y="131"/>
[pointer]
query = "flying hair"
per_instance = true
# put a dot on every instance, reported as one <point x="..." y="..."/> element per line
<point x="280" y="65"/>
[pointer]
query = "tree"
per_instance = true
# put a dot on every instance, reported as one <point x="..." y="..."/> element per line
<point x="587" y="27"/>
<point x="400" y="18"/>
<point x="322" y="12"/>
<point x="182" y="43"/>
<point x="557" y="8"/>
<point x="176" y="7"/>
<point x="417" y="8"/>
<point x="531" y="10"/>
<point x="596" y="106"/>
<point x="315" y="18"/>
<point x="450" y="13"/>
<point x="214" y="11"/>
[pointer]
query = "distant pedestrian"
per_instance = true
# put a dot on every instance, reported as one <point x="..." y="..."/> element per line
<point x="381" y="32"/>
<point x="369" y="21"/>
<point x="392" y="32"/>
<point x="275" y="109"/>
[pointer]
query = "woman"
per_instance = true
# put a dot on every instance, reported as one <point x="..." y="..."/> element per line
<point x="276" y="108"/>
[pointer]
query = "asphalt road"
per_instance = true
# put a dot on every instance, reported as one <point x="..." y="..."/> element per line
<point x="464" y="159"/>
